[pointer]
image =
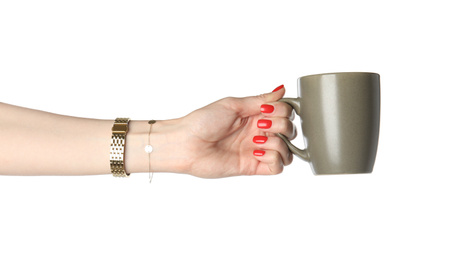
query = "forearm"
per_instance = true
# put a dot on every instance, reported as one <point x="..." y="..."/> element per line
<point x="34" y="142"/>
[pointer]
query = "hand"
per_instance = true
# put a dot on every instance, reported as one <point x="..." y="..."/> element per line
<point x="221" y="137"/>
<point x="211" y="142"/>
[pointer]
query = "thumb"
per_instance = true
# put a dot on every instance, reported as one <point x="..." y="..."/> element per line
<point x="251" y="105"/>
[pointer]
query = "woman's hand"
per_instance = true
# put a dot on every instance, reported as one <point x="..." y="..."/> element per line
<point x="235" y="136"/>
<point x="227" y="138"/>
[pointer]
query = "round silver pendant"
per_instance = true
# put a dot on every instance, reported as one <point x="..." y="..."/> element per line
<point x="148" y="149"/>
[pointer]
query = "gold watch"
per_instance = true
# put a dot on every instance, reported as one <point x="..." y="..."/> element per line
<point x="117" y="151"/>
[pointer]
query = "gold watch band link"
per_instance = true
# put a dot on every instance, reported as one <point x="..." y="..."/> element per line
<point x="117" y="151"/>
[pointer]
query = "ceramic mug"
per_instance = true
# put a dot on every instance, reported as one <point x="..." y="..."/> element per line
<point x="340" y="116"/>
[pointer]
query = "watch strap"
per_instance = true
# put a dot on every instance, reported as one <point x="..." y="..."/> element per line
<point x="117" y="150"/>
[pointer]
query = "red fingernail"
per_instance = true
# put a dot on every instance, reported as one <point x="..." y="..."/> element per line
<point x="264" y="123"/>
<point x="258" y="152"/>
<point x="266" y="109"/>
<point x="259" y="139"/>
<point x="278" y="88"/>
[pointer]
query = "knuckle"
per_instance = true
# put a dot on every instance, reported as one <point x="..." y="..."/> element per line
<point x="277" y="163"/>
<point x="286" y="107"/>
<point x="281" y="109"/>
<point x="279" y="144"/>
<point x="284" y="126"/>
<point x="282" y="147"/>
<point x="289" y="110"/>
<point x="229" y="100"/>
<point x="289" y="159"/>
<point x="263" y="97"/>
<point x="278" y="170"/>
<point x="272" y="156"/>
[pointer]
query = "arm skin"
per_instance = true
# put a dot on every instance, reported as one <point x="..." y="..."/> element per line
<point x="211" y="142"/>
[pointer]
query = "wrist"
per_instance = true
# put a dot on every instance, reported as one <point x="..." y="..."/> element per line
<point x="165" y="137"/>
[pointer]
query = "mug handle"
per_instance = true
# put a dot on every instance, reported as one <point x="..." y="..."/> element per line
<point x="295" y="103"/>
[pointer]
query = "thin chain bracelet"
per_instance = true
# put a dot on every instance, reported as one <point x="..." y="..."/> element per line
<point x="149" y="149"/>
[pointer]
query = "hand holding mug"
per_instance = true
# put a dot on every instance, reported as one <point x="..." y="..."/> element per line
<point x="236" y="136"/>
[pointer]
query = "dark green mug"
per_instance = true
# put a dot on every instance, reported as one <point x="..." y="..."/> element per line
<point x="340" y="116"/>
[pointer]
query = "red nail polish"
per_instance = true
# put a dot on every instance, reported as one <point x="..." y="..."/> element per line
<point x="264" y="123"/>
<point x="259" y="139"/>
<point x="266" y="108"/>
<point x="258" y="152"/>
<point x="278" y="88"/>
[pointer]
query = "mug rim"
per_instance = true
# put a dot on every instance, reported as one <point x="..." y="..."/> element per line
<point x="340" y="73"/>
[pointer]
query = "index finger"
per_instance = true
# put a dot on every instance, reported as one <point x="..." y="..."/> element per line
<point x="277" y="109"/>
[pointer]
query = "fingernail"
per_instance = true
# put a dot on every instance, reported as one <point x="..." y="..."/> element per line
<point x="259" y="139"/>
<point x="264" y="123"/>
<point x="258" y="152"/>
<point x="266" y="108"/>
<point x="278" y="88"/>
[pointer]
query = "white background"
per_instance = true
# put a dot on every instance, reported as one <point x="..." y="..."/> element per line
<point x="163" y="59"/>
